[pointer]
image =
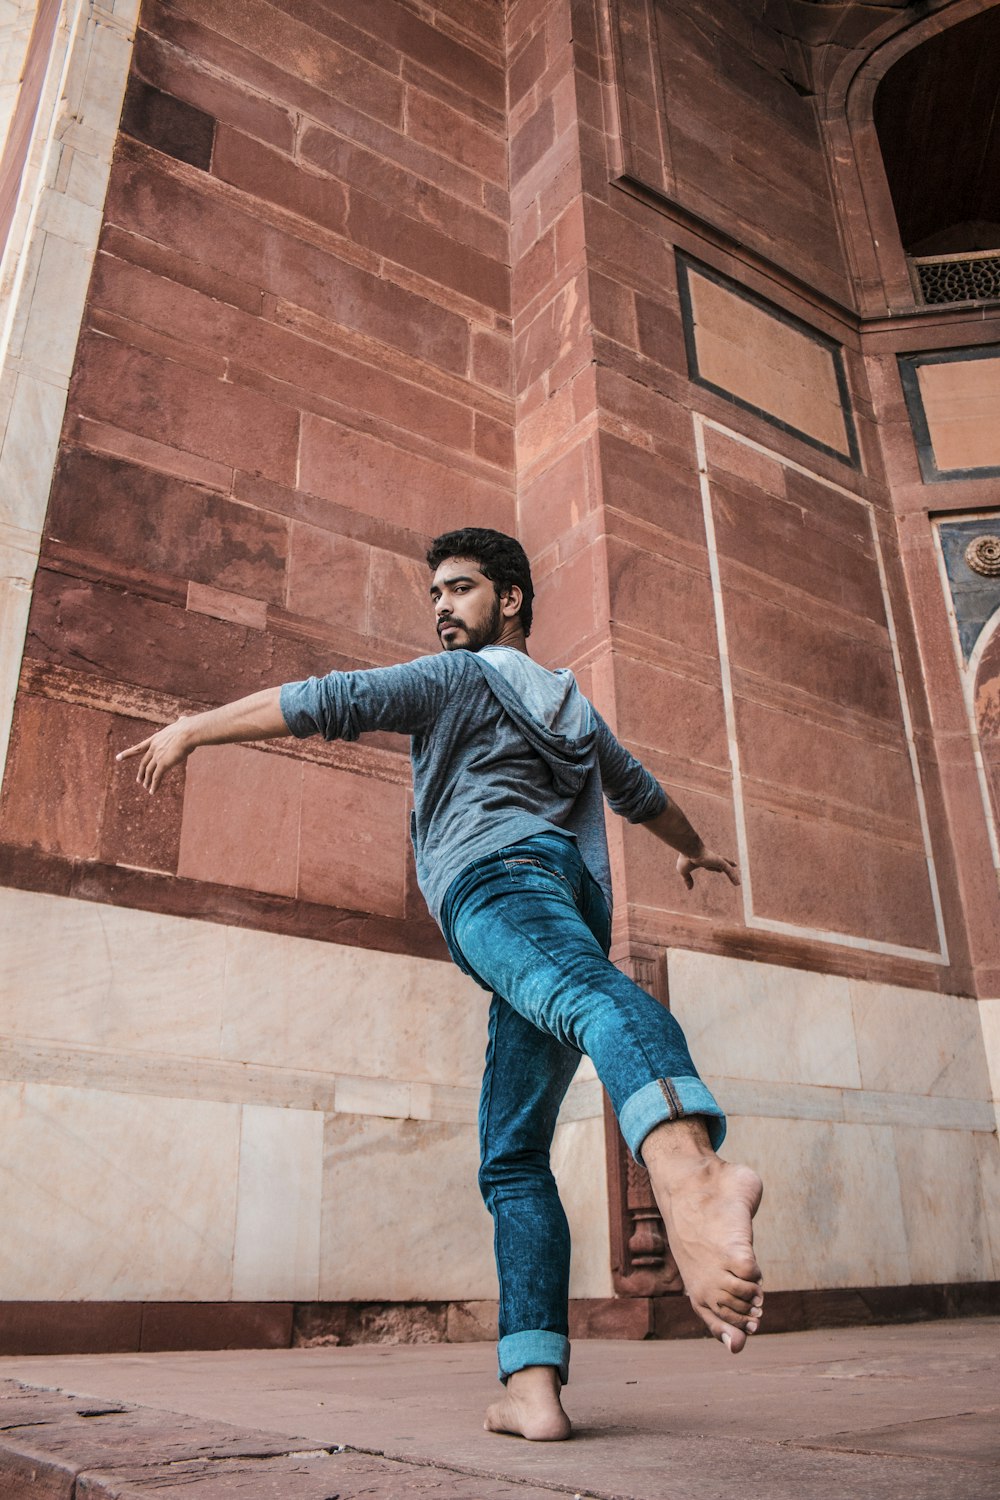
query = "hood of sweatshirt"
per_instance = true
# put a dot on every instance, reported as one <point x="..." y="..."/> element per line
<point x="549" y="710"/>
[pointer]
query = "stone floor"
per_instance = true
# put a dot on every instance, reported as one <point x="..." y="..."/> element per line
<point x="873" y="1413"/>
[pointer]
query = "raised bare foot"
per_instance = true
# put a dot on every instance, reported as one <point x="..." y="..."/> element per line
<point x="707" y="1207"/>
<point x="530" y="1407"/>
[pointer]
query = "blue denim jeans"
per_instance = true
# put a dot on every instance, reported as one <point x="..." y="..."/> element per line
<point x="531" y="924"/>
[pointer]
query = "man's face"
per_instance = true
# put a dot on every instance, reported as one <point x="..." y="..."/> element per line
<point x="465" y="605"/>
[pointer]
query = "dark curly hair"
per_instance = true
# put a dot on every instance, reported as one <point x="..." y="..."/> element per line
<point x="500" y="558"/>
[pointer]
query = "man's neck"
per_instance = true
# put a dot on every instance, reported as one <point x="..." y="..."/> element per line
<point x="511" y="635"/>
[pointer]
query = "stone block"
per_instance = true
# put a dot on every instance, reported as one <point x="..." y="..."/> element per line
<point x="277" y="179"/>
<point x="58" y="771"/>
<point x="328" y="577"/>
<point x="352" y="840"/>
<point x="137" y="640"/>
<point x="449" y="59"/>
<point x="432" y="254"/>
<point x="400" y="609"/>
<point x="651" y="488"/>
<point x="947" y="1231"/>
<point x="92" y="975"/>
<point x="342" y="1010"/>
<point x="491" y="360"/>
<point x="823" y="1181"/>
<point x="167" y="124"/>
<point x="950" y="1060"/>
<point x="191" y="220"/>
<point x="830" y="876"/>
<point x="181" y="74"/>
<point x="351" y="467"/>
<point x="663" y="710"/>
<point x="559" y="499"/>
<point x="493" y="441"/>
<point x="789" y="749"/>
<point x="652" y="594"/>
<point x="531" y="141"/>
<point x="457" y="137"/>
<point x="732" y="1012"/>
<point x="94" y="1213"/>
<point x="784" y="542"/>
<point x="241" y="819"/>
<point x="29" y="443"/>
<point x="103" y="505"/>
<point x="64" y="1328"/>
<point x="425" y="1234"/>
<point x="137" y="829"/>
<point x="851" y="669"/>
<point x="208" y="416"/>
<point x="296" y="49"/>
<point x="277" y="1245"/>
<point x="348" y="161"/>
<point x="578" y="1157"/>
<point x="57" y="273"/>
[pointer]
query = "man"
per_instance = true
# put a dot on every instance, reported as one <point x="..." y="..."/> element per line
<point x="510" y="762"/>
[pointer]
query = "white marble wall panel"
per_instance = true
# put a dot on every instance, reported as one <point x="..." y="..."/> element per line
<point x="402" y="1215"/>
<point x="278" y="1205"/>
<point x="18" y="559"/>
<point x="988" y="1152"/>
<point x="105" y="976"/>
<point x="754" y="1020"/>
<point x="139" y="1018"/>
<point x="115" y="1196"/>
<point x="944" y="1207"/>
<point x="303" y="1004"/>
<point x="44" y="272"/>
<point x="16" y="20"/>
<point x="578" y="1162"/>
<point x="915" y="1042"/>
<point x="832" y="1213"/>
<point x="989" y="1020"/>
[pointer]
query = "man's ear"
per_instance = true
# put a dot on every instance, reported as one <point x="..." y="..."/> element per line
<point x="511" y="601"/>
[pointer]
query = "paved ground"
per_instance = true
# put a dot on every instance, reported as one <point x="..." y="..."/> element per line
<point x="875" y="1414"/>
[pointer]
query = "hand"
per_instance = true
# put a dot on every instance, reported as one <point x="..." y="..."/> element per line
<point x="706" y="860"/>
<point x="161" y="752"/>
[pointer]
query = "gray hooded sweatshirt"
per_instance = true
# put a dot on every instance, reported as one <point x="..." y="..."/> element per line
<point x="501" y="749"/>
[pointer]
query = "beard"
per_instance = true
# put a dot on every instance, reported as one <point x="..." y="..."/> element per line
<point x="478" y="636"/>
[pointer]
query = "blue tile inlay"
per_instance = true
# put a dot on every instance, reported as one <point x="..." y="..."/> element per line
<point x="975" y="598"/>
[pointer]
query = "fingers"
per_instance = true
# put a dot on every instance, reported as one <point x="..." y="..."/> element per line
<point x="133" y="749"/>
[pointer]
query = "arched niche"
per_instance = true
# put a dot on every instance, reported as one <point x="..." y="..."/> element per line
<point x="875" y="249"/>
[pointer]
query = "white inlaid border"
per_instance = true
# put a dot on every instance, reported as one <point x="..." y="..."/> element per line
<point x="44" y="275"/>
<point x="752" y="919"/>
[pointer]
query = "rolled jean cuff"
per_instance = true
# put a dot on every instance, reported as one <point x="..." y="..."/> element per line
<point x="536" y="1346"/>
<point x="669" y="1099"/>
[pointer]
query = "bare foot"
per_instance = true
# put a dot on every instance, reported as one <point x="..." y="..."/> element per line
<point x="707" y="1207"/>
<point x="531" y="1407"/>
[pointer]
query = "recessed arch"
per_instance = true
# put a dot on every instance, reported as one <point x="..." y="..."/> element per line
<point x="872" y="239"/>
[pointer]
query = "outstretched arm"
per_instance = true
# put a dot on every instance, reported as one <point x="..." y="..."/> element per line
<point x="257" y="717"/>
<point x="673" y="828"/>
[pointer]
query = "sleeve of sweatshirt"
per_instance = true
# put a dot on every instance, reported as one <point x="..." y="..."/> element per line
<point x="631" y="790"/>
<point x="405" y="700"/>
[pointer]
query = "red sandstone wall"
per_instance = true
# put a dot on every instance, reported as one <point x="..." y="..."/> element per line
<point x="753" y="668"/>
<point x="294" y="369"/>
